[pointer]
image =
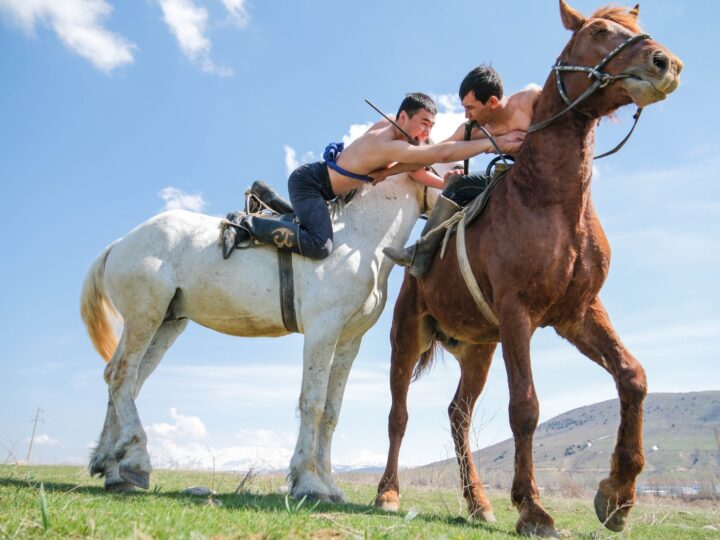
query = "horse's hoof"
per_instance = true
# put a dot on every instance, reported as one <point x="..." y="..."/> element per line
<point x="140" y="479"/>
<point x="119" y="487"/>
<point x="486" y="516"/>
<point x="609" y="515"/>
<point x="537" y="529"/>
<point x="386" y="503"/>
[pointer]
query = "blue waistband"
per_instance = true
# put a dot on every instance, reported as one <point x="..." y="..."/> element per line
<point x="330" y="155"/>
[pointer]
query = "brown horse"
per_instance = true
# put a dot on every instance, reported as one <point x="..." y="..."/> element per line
<point x="540" y="257"/>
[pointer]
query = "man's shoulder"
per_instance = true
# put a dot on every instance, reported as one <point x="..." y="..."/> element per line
<point x="530" y="92"/>
<point x="525" y="98"/>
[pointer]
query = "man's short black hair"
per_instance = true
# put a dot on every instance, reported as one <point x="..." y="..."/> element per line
<point x="416" y="101"/>
<point x="483" y="82"/>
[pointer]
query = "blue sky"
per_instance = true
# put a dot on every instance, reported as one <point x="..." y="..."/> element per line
<point x="112" y="111"/>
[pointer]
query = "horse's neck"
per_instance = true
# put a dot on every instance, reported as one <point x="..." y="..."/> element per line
<point x="383" y="214"/>
<point x="554" y="164"/>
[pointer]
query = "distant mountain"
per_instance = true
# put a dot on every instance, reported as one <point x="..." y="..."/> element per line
<point x="679" y="436"/>
<point x="260" y="459"/>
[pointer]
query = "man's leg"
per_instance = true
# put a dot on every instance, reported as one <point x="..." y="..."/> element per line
<point x="459" y="191"/>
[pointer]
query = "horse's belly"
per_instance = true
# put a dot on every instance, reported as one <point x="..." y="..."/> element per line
<point x="239" y="297"/>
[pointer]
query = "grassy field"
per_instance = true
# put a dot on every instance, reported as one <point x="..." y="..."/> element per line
<point x="60" y="502"/>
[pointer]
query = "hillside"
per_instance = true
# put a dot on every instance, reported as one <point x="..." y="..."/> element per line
<point x="679" y="438"/>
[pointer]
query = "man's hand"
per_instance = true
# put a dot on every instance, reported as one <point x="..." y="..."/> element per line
<point x="379" y="175"/>
<point x="509" y="142"/>
<point x="456" y="170"/>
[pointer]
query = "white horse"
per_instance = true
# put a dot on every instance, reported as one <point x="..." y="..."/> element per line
<point x="169" y="270"/>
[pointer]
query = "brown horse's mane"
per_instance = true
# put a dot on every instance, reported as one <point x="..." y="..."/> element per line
<point x="620" y="15"/>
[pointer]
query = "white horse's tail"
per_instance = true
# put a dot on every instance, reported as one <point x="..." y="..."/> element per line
<point x="97" y="310"/>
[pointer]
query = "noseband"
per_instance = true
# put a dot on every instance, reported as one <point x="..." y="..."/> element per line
<point x="601" y="81"/>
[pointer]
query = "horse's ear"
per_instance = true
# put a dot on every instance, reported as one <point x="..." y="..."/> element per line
<point x="635" y="11"/>
<point x="571" y="19"/>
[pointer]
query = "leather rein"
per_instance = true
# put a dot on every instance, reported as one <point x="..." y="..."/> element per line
<point x="601" y="81"/>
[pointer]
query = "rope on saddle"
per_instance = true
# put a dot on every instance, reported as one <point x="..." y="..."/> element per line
<point x="287" y="291"/>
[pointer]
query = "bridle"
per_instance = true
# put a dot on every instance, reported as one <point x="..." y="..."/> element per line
<point x="601" y="81"/>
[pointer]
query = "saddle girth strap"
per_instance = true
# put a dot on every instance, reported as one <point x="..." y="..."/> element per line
<point x="469" y="277"/>
<point x="287" y="290"/>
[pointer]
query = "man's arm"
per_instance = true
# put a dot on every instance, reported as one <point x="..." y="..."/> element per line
<point x="427" y="178"/>
<point x="508" y="143"/>
<point x="443" y="152"/>
<point x="449" y="151"/>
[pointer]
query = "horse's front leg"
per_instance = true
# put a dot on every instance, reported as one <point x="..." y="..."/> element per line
<point x="475" y="363"/>
<point x="598" y="340"/>
<point x="318" y="351"/>
<point x="345" y="354"/>
<point x="516" y="330"/>
<point x="409" y="337"/>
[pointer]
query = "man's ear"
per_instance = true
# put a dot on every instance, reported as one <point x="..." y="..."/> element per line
<point x="402" y="117"/>
<point x="493" y="101"/>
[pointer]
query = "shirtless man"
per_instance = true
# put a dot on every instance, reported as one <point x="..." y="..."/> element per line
<point x="481" y="93"/>
<point x="343" y="170"/>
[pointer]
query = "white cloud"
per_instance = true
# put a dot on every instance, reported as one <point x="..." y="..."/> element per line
<point x="43" y="439"/>
<point x="177" y="199"/>
<point x="79" y="25"/>
<point x="237" y="12"/>
<point x="182" y="444"/>
<point x="354" y="132"/>
<point x="266" y="438"/>
<point x="188" y="22"/>
<point x="291" y="160"/>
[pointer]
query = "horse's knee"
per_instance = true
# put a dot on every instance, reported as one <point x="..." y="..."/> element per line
<point x="458" y="415"/>
<point x="312" y="408"/>
<point x="524" y="414"/>
<point x="330" y="419"/>
<point x="397" y="421"/>
<point x="632" y="384"/>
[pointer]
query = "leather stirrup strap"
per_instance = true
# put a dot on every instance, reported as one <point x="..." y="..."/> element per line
<point x="468" y="276"/>
<point x="287" y="290"/>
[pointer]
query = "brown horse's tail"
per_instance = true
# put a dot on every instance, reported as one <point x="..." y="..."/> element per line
<point x="97" y="310"/>
<point x="426" y="360"/>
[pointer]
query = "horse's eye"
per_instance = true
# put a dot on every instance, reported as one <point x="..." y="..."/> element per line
<point x="598" y="30"/>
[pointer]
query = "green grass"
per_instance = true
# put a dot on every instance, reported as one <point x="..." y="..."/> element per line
<point x="61" y="502"/>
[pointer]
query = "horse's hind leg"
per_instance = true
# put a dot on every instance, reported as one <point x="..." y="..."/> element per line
<point x="475" y="363"/>
<point x="103" y="461"/>
<point x="345" y="354"/>
<point x="143" y="342"/>
<point x="409" y="337"/>
<point x="597" y="340"/>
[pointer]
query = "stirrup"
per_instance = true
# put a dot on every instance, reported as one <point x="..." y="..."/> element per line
<point x="234" y="237"/>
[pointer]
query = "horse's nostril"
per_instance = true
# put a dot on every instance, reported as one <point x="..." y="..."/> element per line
<point x="660" y="61"/>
